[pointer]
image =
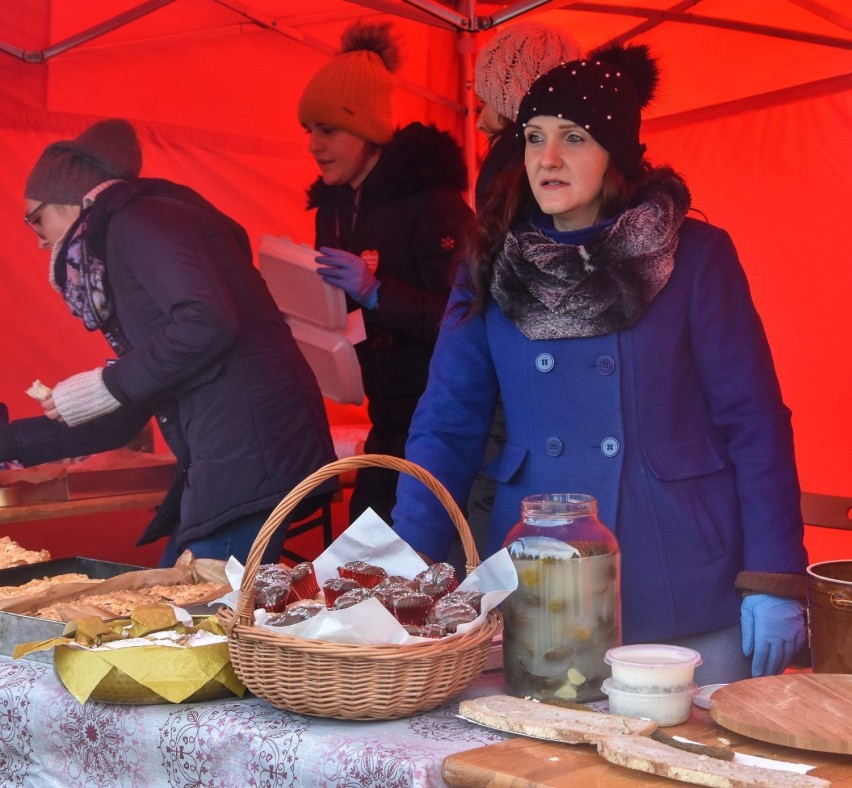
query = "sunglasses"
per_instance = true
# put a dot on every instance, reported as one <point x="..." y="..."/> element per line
<point x="33" y="219"/>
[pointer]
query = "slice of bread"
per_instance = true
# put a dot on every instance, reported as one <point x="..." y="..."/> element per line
<point x="39" y="391"/>
<point x="646" y="755"/>
<point x="544" y="721"/>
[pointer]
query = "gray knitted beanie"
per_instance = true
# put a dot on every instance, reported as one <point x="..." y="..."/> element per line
<point x="70" y="169"/>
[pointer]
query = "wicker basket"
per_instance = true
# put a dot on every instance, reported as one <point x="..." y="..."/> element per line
<point x="344" y="681"/>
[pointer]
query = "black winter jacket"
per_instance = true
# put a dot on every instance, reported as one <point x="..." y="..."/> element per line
<point x="203" y="348"/>
<point x="412" y="212"/>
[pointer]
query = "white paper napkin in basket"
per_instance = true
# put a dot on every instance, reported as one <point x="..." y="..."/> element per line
<point x="372" y="540"/>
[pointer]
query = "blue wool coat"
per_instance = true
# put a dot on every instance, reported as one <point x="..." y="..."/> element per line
<point x="675" y="425"/>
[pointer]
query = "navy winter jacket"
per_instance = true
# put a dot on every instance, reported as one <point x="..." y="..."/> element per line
<point x="203" y="347"/>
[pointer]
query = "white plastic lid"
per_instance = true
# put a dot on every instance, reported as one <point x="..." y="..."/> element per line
<point x="653" y="655"/>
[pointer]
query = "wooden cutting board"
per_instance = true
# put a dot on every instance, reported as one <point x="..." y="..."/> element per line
<point x="806" y="711"/>
<point x="529" y="763"/>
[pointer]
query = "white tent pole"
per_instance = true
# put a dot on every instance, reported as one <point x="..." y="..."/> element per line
<point x="320" y="46"/>
<point x="807" y="90"/>
<point x="644" y="27"/>
<point x="695" y="19"/>
<point x="818" y="9"/>
<point x="399" y="8"/>
<point x="441" y="12"/>
<point x="510" y="12"/>
<point x="105" y="27"/>
<point x="467" y="50"/>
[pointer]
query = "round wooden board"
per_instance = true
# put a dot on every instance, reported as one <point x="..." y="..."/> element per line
<point x="807" y="711"/>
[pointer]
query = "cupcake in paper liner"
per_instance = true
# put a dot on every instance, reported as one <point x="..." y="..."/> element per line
<point x="366" y="574"/>
<point x="352" y="597"/>
<point x="451" y="613"/>
<point x="303" y="582"/>
<point x="296" y="613"/>
<point x="472" y="598"/>
<point x="438" y="580"/>
<point x="411" y="608"/>
<point x="425" y="630"/>
<point x="394" y="580"/>
<point x="272" y="587"/>
<point x="388" y="593"/>
<point x="335" y="587"/>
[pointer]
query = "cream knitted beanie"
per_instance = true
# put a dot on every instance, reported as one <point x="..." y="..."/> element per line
<point x="515" y="58"/>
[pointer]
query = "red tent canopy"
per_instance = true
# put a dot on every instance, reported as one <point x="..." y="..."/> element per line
<point x="755" y="108"/>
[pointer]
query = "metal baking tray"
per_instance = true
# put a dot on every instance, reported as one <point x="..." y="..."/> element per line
<point x="17" y="628"/>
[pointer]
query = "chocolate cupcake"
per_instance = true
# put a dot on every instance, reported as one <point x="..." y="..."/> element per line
<point x="366" y="574"/>
<point x="353" y="597"/>
<point x="296" y="613"/>
<point x="411" y="607"/>
<point x="394" y="580"/>
<point x="437" y="580"/>
<point x="303" y="582"/>
<point x="451" y="614"/>
<point x="473" y="598"/>
<point x="271" y="587"/>
<point x="335" y="586"/>
<point x="386" y="594"/>
<point x="425" y="630"/>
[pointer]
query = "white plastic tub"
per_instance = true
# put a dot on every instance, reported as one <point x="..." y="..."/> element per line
<point x="652" y="668"/>
<point x="664" y="708"/>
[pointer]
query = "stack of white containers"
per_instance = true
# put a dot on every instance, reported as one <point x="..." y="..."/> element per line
<point x="652" y="681"/>
<point x="316" y="313"/>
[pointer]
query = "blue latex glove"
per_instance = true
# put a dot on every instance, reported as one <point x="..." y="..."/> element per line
<point x="773" y="630"/>
<point x="350" y="273"/>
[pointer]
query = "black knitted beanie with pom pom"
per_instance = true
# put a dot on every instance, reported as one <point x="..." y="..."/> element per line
<point x="604" y="93"/>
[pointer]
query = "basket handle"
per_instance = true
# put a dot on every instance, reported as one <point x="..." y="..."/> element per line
<point x="245" y="604"/>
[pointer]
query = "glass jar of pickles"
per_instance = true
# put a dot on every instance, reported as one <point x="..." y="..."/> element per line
<point x="566" y="612"/>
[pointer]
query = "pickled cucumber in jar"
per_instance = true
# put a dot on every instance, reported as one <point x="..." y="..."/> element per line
<point x="565" y="614"/>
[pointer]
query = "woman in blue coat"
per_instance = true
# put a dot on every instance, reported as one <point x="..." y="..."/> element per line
<point x="632" y="365"/>
<point x="198" y="343"/>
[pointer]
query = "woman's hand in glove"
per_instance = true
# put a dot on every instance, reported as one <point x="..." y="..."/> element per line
<point x="773" y="631"/>
<point x="350" y="273"/>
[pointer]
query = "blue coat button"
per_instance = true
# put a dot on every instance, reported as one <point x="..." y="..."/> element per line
<point x="554" y="447"/>
<point x="605" y="365"/>
<point x="544" y="362"/>
<point x="609" y="447"/>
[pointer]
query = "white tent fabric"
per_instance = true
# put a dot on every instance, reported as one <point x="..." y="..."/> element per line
<point x="755" y="109"/>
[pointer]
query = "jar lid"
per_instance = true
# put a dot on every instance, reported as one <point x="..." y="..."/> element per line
<point x="653" y="655"/>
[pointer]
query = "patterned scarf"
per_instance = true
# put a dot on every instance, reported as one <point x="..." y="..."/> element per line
<point x="552" y="290"/>
<point x="80" y="277"/>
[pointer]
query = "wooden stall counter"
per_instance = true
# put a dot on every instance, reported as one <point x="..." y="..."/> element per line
<point x="111" y="481"/>
<point x="48" y="510"/>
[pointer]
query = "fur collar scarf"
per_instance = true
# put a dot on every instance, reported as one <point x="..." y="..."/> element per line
<point x="417" y="158"/>
<point x="553" y="290"/>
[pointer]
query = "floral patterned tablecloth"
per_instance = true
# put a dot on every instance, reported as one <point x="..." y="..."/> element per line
<point x="48" y="739"/>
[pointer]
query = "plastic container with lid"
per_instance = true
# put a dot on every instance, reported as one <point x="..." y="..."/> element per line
<point x="566" y="612"/>
<point x="664" y="708"/>
<point x="652" y="667"/>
